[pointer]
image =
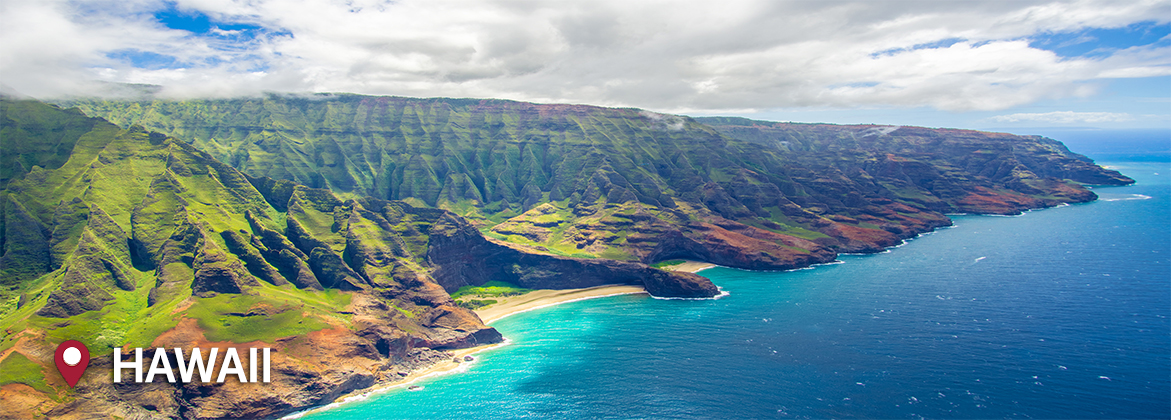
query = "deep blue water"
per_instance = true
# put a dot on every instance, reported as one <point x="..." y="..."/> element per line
<point x="1059" y="313"/>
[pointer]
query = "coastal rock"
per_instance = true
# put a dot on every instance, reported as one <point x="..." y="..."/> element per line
<point x="453" y="327"/>
<point x="678" y="285"/>
<point x="465" y="258"/>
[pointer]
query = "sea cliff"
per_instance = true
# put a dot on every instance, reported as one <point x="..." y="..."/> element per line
<point x="333" y="228"/>
<point x="629" y="184"/>
<point x="128" y="238"/>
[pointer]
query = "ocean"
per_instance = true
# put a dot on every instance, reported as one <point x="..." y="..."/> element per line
<point x="1057" y="313"/>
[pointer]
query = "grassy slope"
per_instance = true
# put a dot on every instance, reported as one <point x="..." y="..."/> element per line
<point x="490" y="289"/>
<point x="601" y="182"/>
<point x="120" y="186"/>
<point x="136" y="232"/>
<point x="117" y="189"/>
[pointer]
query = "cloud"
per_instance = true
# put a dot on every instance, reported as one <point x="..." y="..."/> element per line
<point x="1065" y="117"/>
<point x="664" y="55"/>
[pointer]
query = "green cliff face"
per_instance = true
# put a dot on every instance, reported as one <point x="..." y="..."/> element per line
<point x="333" y="227"/>
<point x="628" y="184"/>
<point x="136" y="239"/>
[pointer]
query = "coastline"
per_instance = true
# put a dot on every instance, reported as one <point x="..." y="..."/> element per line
<point x="504" y="308"/>
<point x="690" y="266"/>
<point x="548" y="297"/>
<point x="542" y="298"/>
<point x="438" y="369"/>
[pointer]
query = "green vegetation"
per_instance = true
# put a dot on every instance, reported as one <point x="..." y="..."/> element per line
<point x="18" y="369"/>
<point x="244" y="318"/>
<point x="490" y="289"/>
<point x="258" y="219"/>
<point x="125" y="234"/>
<point x="261" y="217"/>
<point x="474" y="303"/>
<point x="590" y="182"/>
<point x="126" y="237"/>
<point x="667" y="263"/>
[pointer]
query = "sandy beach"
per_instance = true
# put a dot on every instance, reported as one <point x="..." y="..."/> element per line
<point x="503" y="308"/>
<point x="690" y="266"/>
<point x="545" y="297"/>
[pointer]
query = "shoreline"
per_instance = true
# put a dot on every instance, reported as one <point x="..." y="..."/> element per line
<point x="544" y="298"/>
<point x="444" y="367"/>
<point x="690" y="266"/>
<point x="505" y="307"/>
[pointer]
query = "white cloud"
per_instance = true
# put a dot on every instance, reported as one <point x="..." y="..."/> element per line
<point x="670" y="56"/>
<point x="1065" y="117"/>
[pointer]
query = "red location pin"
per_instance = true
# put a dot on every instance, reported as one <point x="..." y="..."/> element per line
<point x="72" y="358"/>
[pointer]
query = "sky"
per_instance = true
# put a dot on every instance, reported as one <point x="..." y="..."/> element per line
<point x="1008" y="65"/>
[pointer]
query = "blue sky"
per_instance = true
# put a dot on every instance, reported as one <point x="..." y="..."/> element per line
<point x="969" y="64"/>
<point x="1143" y="102"/>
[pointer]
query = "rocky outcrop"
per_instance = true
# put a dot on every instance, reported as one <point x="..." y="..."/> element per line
<point x="466" y="258"/>
<point x="216" y="273"/>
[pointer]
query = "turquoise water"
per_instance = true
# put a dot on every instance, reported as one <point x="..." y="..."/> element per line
<point x="1058" y="313"/>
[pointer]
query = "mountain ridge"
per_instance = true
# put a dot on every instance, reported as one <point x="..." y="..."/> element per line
<point x="187" y="223"/>
<point x="137" y="239"/>
<point x="611" y="182"/>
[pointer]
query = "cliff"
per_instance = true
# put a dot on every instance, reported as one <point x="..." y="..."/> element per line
<point x="332" y="228"/>
<point x="128" y="238"/>
<point x="627" y="184"/>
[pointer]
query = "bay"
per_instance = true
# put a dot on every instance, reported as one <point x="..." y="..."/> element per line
<point x="1058" y="313"/>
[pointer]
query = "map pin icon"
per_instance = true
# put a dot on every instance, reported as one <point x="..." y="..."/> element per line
<point x="72" y="358"/>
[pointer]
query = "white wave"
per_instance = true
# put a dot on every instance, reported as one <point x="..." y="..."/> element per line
<point x="834" y="262"/>
<point x="463" y="367"/>
<point x="1126" y="198"/>
<point x="811" y="266"/>
<point x="722" y="294"/>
